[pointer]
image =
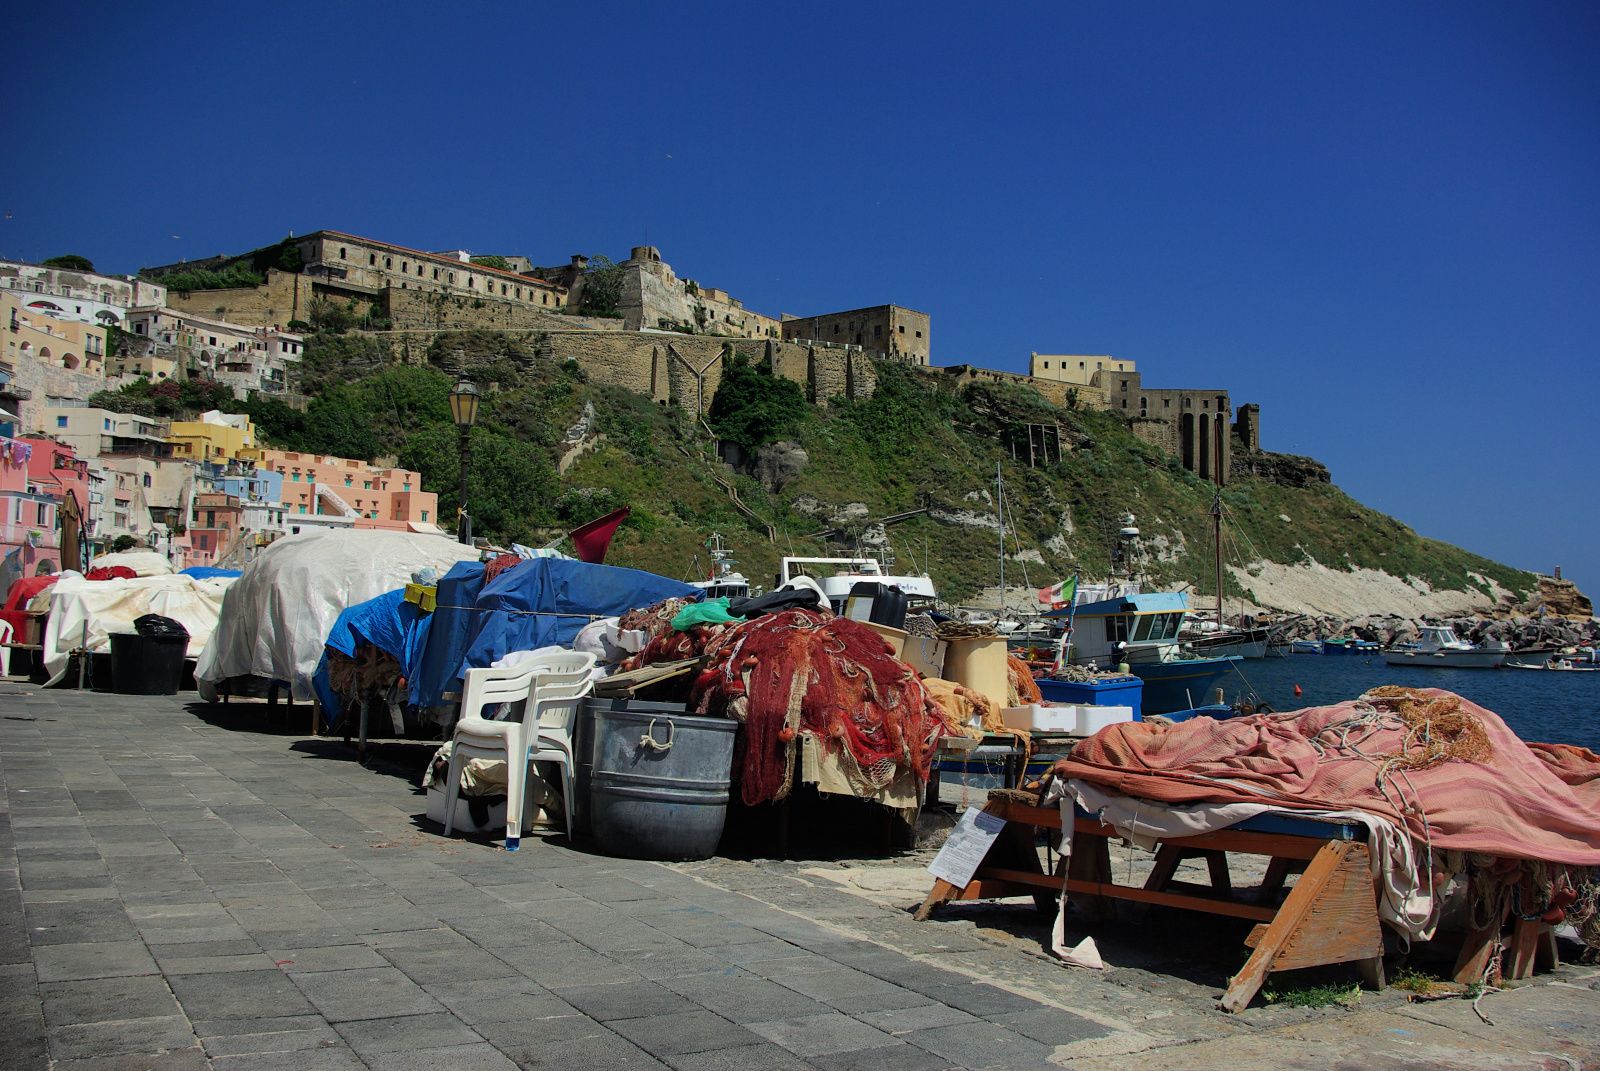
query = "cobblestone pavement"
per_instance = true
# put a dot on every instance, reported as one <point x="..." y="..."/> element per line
<point x="181" y="888"/>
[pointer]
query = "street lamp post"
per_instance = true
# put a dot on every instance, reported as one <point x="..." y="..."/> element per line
<point x="464" y="410"/>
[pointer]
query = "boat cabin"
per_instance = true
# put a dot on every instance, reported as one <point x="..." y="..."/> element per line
<point x="1133" y="629"/>
<point x="836" y="576"/>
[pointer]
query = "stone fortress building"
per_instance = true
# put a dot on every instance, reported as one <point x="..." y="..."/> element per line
<point x="670" y="337"/>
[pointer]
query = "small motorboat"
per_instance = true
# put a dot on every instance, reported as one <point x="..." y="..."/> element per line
<point x="1349" y="645"/>
<point x="1440" y="647"/>
<point x="1306" y="647"/>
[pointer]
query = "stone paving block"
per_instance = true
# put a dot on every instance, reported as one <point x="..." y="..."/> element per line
<point x="331" y="958"/>
<point x="238" y="995"/>
<point x="556" y="966"/>
<point x="99" y="999"/>
<point x="496" y="1000"/>
<point x="68" y="962"/>
<point x="561" y="1043"/>
<point x="1051" y="1026"/>
<point x="852" y="991"/>
<point x="625" y="1000"/>
<point x="425" y="965"/>
<point x="84" y="1041"/>
<point x="288" y="1034"/>
<point x="904" y="1020"/>
<point x="57" y="896"/>
<point x="743" y="997"/>
<point x="190" y="1059"/>
<point x="901" y="1057"/>
<point x="695" y="1031"/>
<point x="764" y="1056"/>
<point x="658" y="964"/>
<point x="434" y="1031"/>
<point x="982" y="1044"/>
<point x="367" y="993"/>
<point x="979" y="998"/>
<point x="817" y="1035"/>
<point x="326" y="1059"/>
<point x="479" y="1057"/>
<point x="223" y="964"/>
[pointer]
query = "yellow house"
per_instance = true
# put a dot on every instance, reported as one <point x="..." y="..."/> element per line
<point x="216" y="436"/>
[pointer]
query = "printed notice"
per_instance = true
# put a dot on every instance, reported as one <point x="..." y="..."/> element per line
<point x="969" y="842"/>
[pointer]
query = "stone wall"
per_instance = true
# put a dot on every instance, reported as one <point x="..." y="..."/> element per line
<point x="686" y="370"/>
<point x="418" y="309"/>
<point x="1055" y="393"/>
<point x="283" y="297"/>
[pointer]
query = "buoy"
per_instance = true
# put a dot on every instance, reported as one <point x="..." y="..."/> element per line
<point x="1297" y="690"/>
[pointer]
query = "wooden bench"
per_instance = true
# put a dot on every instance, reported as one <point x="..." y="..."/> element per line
<point x="1329" y="915"/>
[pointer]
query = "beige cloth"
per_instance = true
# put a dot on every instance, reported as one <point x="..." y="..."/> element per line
<point x="825" y="771"/>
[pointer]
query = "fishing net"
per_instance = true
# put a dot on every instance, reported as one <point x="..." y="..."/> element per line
<point x="1436" y="728"/>
<point x="803" y="670"/>
<point x="1021" y="689"/>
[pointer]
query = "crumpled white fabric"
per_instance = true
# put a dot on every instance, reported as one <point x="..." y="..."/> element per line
<point x="1404" y="898"/>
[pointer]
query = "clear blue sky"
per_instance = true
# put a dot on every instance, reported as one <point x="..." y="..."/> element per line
<point x="1379" y="221"/>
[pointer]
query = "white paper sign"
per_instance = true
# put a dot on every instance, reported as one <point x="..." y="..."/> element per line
<point x="968" y="843"/>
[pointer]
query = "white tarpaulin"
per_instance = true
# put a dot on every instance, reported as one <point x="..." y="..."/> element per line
<point x="108" y="606"/>
<point x="143" y="562"/>
<point x="278" y="613"/>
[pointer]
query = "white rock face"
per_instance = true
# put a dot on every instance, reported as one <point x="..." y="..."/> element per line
<point x="1309" y="587"/>
<point x="966" y="518"/>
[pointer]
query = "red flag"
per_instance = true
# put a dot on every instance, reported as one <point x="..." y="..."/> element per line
<point x="594" y="539"/>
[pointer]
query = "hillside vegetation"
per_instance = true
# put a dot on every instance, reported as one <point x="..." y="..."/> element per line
<point x="916" y="443"/>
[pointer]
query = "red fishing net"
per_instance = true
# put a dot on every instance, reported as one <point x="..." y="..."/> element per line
<point x="802" y="670"/>
<point x="1021" y="689"/>
<point x="500" y="565"/>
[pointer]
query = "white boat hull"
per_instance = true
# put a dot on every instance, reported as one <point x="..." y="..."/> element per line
<point x="1446" y="659"/>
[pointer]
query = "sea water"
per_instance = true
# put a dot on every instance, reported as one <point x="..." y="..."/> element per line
<point x="1560" y="708"/>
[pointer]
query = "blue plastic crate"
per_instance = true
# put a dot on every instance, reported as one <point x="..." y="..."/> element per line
<point x="1126" y="693"/>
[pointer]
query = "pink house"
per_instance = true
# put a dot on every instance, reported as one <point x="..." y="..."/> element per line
<point x="28" y="527"/>
<point x="364" y="495"/>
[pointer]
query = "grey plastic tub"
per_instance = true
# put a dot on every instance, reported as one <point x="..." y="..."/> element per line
<point x="659" y="784"/>
<point x="583" y="747"/>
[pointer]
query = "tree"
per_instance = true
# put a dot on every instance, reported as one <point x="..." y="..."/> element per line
<point x="70" y="261"/>
<point x="752" y="406"/>
<point x="330" y="316"/>
<point x="602" y="285"/>
<point x="122" y="543"/>
<point x="511" y="487"/>
<point x="493" y="261"/>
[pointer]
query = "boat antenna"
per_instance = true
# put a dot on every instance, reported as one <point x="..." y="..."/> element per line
<point x="1000" y="515"/>
<point x="1216" y="520"/>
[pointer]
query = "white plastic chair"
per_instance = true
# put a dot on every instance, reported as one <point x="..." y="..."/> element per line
<point x="553" y="686"/>
<point x="7" y="633"/>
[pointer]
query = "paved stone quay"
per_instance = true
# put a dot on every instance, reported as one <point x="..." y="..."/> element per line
<point x="181" y="887"/>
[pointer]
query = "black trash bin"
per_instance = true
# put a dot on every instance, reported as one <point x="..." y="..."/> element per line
<point x="149" y="661"/>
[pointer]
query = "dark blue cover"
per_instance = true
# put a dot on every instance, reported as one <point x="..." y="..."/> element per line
<point x="389" y="623"/>
<point x="207" y="572"/>
<point x="435" y="669"/>
<point x="547" y="601"/>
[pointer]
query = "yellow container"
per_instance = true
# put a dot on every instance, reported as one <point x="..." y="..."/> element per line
<point x="896" y="637"/>
<point x="426" y="597"/>
<point x="979" y="663"/>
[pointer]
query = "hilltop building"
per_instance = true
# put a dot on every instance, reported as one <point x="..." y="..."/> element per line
<point x="885" y="330"/>
<point x="1075" y="368"/>
<point x="182" y="344"/>
<point x="216" y="436"/>
<point x="48" y="360"/>
<point x="86" y="297"/>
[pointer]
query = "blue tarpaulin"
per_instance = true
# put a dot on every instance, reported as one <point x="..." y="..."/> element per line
<point x="396" y="627"/>
<point x="533" y="604"/>
<point x="207" y="572"/>
<point x="435" y="670"/>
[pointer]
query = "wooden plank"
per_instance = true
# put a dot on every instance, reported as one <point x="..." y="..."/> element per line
<point x="1209" y="905"/>
<point x="1330" y="916"/>
<point x="1277" y="845"/>
<point x="1524" y="947"/>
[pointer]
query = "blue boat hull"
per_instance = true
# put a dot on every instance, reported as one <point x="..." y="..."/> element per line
<point x="1182" y="684"/>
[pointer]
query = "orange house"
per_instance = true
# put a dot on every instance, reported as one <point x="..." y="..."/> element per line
<point x="359" y="493"/>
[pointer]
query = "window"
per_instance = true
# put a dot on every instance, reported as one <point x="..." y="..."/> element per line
<point x="424" y="516"/>
<point x="919" y="334"/>
<point x="302" y="510"/>
<point x="1117" y="628"/>
<point x="61" y="421"/>
<point x="1124" y="388"/>
<point x="472" y="283"/>
<point x="146" y="479"/>
<point x="436" y="275"/>
<point x="902" y="329"/>
<point x="1166" y="403"/>
<point x="1047" y="364"/>
<point x="406" y="486"/>
<point x="41" y="514"/>
<point x="544" y="299"/>
<point x="877" y="331"/>
<point x="372" y="259"/>
<point x="342" y="254"/>
<point x="388" y="262"/>
<point x="107" y="422"/>
<point x="348" y="481"/>
<point x="452" y="277"/>
<point x="505" y="288"/>
<point x="366" y="485"/>
<point x="836" y="329"/>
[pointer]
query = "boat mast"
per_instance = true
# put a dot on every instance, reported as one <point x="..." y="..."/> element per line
<point x="1000" y="515"/>
<point x="1216" y="523"/>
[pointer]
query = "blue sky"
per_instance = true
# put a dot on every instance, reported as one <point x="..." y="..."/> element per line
<point x="1379" y="221"/>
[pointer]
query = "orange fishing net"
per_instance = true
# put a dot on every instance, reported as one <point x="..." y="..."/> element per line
<point x="1021" y="689"/>
<point x="835" y="678"/>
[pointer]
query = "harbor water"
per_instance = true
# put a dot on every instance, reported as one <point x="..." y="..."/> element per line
<point x="1561" y="708"/>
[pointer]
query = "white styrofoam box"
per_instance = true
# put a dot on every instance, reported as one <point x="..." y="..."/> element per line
<point x="1041" y="718"/>
<point x="1092" y="719"/>
<point x="1073" y="720"/>
<point x="494" y="823"/>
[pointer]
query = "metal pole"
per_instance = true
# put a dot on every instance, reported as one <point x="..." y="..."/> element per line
<point x="464" y="524"/>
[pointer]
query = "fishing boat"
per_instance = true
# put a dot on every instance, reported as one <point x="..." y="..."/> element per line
<point x="1583" y="660"/>
<point x="1440" y="647"/>
<point x="836" y="576"/>
<point x="1242" y="642"/>
<point x="724" y="581"/>
<point x="1306" y="647"/>
<point x="1141" y="631"/>
<point x="1349" y="645"/>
